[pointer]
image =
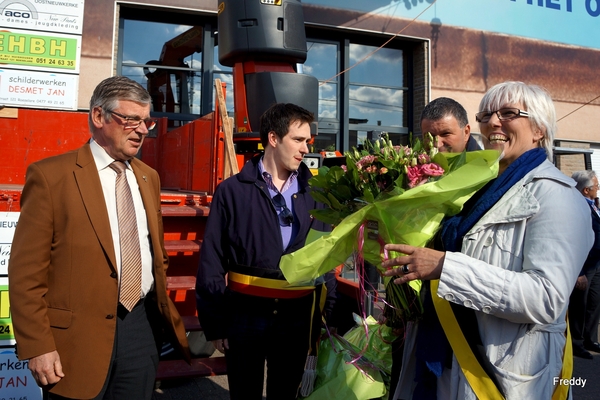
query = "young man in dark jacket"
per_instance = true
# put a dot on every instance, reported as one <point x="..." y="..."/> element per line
<point x="256" y="217"/>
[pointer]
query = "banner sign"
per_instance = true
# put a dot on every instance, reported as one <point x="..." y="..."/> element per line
<point x="7" y="336"/>
<point x="574" y="22"/>
<point x="8" y="223"/>
<point x="40" y="51"/>
<point x="38" y="89"/>
<point x="64" y="16"/>
<point x="16" y="381"/>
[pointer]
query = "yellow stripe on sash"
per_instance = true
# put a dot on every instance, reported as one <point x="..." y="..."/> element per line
<point x="561" y="392"/>
<point x="264" y="282"/>
<point x="480" y="382"/>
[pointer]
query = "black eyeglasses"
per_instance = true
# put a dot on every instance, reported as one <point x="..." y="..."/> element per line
<point x="286" y="217"/>
<point x="135" y="122"/>
<point x="503" y="114"/>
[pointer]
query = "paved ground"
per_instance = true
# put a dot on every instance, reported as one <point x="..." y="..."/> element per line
<point x="211" y="388"/>
<point x="589" y="370"/>
<point x="199" y="388"/>
<point x="215" y="388"/>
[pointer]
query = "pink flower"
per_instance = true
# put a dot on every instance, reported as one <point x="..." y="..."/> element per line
<point x="383" y="170"/>
<point x="415" y="176"/>
<point x="432" y="169"/>
<point x="344" y="168"/>
<point x="419" y="174"/>
<point x="366" y="160"/>
<point x="423" y="158"/>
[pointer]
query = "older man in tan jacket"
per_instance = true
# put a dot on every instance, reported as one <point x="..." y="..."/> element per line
<point x="68" y="263"/>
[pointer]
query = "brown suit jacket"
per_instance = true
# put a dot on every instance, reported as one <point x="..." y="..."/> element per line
<point x="62" y="273"/>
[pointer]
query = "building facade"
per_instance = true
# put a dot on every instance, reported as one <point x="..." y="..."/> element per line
<point x="378" y="62"/>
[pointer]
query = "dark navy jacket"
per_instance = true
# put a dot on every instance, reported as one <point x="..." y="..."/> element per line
<point x="243" y="230"/>
<point x="593" y="259"/>
<point x="472" y="144"/>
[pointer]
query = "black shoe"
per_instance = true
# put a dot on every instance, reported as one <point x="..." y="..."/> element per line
<point x="592" y="347"/>
<point x="578" y="352"/>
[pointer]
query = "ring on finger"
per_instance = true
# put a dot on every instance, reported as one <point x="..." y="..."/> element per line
<point x="404" y="269"/>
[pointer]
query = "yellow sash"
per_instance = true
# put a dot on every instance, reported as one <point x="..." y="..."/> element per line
<point x="479" y="381"/>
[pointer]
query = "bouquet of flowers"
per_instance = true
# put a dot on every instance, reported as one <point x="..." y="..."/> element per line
<point x="386" y="194"/>
<point x="380" y="171"/>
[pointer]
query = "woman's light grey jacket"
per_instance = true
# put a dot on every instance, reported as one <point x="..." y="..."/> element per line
<point x="517" y="268"/>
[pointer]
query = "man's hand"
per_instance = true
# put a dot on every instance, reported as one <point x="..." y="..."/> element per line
<point x="46" y="369"/>
<point x="581" y="283"/>
<point x="221" y="345"/>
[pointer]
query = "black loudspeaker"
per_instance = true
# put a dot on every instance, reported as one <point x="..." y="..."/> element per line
<point x="267" y="88"/>
<point x="261" y="30"/>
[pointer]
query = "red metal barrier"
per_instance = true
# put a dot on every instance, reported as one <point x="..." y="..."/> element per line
<point x="37" y="134"/>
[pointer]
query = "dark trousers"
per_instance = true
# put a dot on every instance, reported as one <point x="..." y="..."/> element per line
<point x="271" y="330"/>
<point x="135" y="356"/>
<point x="584" y="311"/>
<point x="397" y="353"/>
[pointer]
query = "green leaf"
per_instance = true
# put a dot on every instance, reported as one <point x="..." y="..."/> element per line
<point x="335" y="204"/>
<point x="336" y="173"/>
<point x="327" y="216"/>
<point x="319" y="181"/>
<point x="442" y="161"/>
<point x="368" y="195"/>
<point x="400" y="181"/>
<point x="344" y="192"/>
<point x="320" y="197"/>
<point x="457" y="162"/>
<point x="396" y="191"/>
<point x="323" y="170"/>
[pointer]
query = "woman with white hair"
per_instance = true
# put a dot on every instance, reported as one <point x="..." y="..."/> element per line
<point x="498" y="275"/>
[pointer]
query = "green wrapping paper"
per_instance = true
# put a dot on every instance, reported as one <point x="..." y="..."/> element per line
<point x="339" y="378"/>
<point x="409" y="218"/>
<point x="377" y="345"/>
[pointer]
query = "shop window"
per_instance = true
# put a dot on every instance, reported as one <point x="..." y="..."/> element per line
<point x="175" y="57"/>
<point x="376" y="93"/>
<point x="322" y="63"/>
<point x="168" y="63"/>
<point x="363" y="90"/>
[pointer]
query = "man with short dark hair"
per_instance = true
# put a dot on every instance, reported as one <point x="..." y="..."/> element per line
<point x="584" y="304"/>
<point x="87" y="271"/>
<point x="447" y="120"/>
<point x="257" y="216"/>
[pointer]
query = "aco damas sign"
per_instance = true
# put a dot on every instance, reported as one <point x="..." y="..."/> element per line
<point x="59" y="16"/>
<point x="40" y="48"/>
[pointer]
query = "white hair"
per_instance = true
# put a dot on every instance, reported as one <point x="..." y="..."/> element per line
<point x="535" y="100"/>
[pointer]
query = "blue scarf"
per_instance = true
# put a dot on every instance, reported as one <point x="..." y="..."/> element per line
<point x="433" y="351"/>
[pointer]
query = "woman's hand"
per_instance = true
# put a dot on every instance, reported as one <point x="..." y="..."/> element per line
<point x="417" y="263"/>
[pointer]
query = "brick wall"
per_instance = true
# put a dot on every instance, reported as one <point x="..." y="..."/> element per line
<point x="420" y="84"/>
<point x="569" y="163"/>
